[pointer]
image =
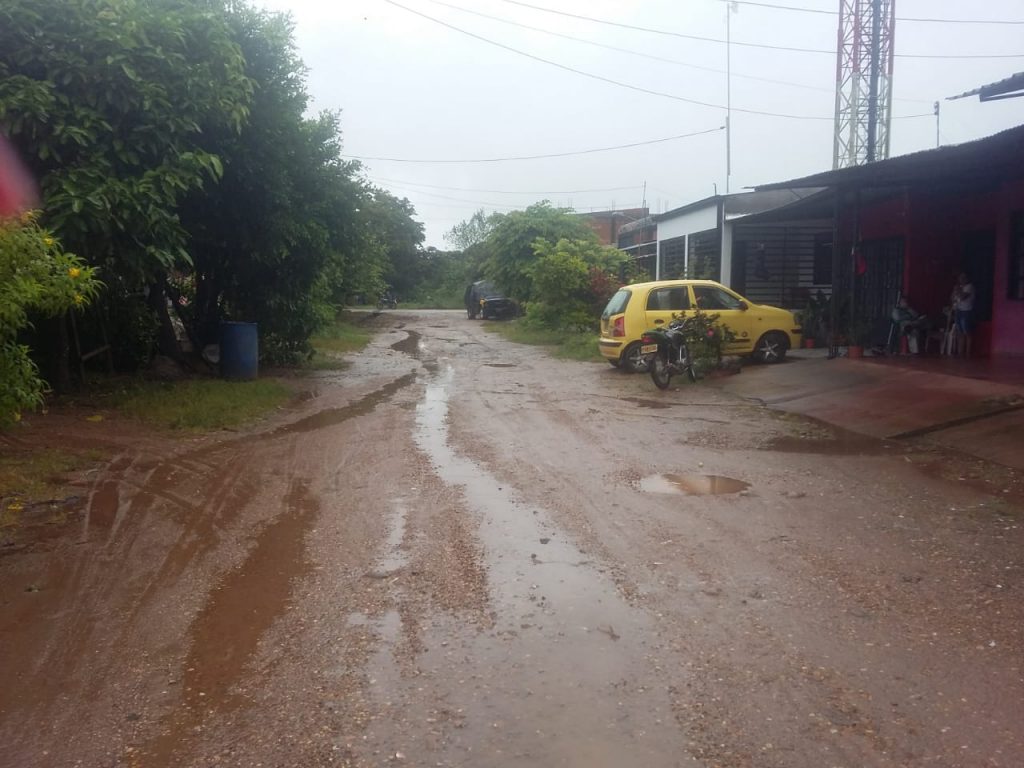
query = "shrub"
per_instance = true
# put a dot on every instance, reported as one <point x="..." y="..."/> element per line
<point x="707" y="337"/>
<point x="36" y="275"/>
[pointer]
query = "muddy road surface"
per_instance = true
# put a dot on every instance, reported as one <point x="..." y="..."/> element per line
<point x="461" y="552"/>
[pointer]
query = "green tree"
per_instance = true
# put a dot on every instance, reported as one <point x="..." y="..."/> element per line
<point x="36" y="276"/>
<point x="571" y="280"/>
<point x="392" y="223"/>
<point x="510" y="244"/>
<point x="107" y="101"/>
<point x="277" y="240"/>
<point x="472" y="231"/>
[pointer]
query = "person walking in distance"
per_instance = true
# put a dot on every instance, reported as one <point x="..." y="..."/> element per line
<point x="963" y="307"/>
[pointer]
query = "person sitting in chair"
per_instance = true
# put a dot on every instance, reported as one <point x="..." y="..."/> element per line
<point x="910" y="323"/>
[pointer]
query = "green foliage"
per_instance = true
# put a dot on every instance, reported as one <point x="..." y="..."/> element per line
<point x="571" y="281"/>
<point x="444" y="277"/>
<point x="36" y="275"/>
<point x="173" y="148"/>
<point x="106" y="101"/>
<point x="706" y="338"/>
<point x="392" y="225"/>
<point x="510" y="244"/>
<point x="473" y="231"/>
<point x="815" y="317"/>
<point x="341" y="335"/>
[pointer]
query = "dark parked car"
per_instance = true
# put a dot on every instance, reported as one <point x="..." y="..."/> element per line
<point x="485" y="300"/>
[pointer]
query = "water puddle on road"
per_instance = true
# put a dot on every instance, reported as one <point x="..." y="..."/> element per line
<point x="692" y="485"/>
<point x="410" y="345"/>
<point x="334" y="416"/>
<point x="561" y="677"/>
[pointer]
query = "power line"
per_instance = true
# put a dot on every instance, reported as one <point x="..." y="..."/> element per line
<point x="665" y="31"/>
<point x="475" y="203"/>
<point x="592" y="76"/>
<point x="757" y="45"/>
<point x="898" y="18"/>
<point x="505" y="191"/>
<point x="541" y="157"/>
<point x="648" y="55"/>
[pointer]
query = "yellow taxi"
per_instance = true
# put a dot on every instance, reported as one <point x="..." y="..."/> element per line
<point x="762" y="332"/>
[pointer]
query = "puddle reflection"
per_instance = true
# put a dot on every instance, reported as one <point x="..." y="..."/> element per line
<point x="692" y="485"/>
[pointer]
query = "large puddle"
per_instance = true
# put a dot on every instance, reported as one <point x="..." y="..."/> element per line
<point x="559" y="679"/>
<point x="692" y="485"/>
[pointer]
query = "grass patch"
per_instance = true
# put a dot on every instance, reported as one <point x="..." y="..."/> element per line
<point x="342" y="336"/>
<point x="339" y="338"/>
<point x="325" y="361"/>
<point x="201" y="404"/>
<point x="569" y="345"/>
<point x="41" y="475"/>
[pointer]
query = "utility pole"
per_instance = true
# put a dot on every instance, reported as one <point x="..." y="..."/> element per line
<point x="864" y="68"/>
<point x="730" y="8"/>
<point x="937" y="140"/>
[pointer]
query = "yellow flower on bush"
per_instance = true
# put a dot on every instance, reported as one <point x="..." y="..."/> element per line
<point x="74" y="272"/>
<point x="48" y="241"/>
<point x="79" y="299"/>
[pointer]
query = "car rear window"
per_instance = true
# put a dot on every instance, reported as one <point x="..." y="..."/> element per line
<point x="668" y="299"/>
<point x="617" y="303"/>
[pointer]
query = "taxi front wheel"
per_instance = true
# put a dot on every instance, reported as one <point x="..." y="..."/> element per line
<point x="771" y="348"/>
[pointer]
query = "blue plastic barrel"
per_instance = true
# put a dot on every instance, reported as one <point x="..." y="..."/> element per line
<point x="239" y="350"/>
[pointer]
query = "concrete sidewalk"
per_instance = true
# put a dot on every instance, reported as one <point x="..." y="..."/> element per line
<point x="981" y="416"/>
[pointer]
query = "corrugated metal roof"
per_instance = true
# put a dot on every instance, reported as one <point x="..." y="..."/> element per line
<point x="1007" y="88"/>
<point x="993" y="158"/>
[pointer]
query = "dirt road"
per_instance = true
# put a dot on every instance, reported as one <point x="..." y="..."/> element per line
<point x="460" y="552"/>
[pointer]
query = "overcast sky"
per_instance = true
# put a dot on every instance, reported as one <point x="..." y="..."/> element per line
<point x="413" y="89"/>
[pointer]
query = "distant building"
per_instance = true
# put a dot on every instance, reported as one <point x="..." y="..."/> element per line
<point x="607" y="224"/>
<point x="640" y="240"/>
<point x="749" y="242"/>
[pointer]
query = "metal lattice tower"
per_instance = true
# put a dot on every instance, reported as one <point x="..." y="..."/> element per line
<point x="863" y="81"/>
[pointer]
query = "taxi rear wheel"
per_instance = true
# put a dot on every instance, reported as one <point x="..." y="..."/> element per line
<point x="631" y="360"/>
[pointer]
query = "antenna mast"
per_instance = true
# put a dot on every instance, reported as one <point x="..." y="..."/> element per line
<point x="863" y="81"/>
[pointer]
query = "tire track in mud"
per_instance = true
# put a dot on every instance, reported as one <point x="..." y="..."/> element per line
<point x="93" y="602"/>
<point x="227" y="631"/>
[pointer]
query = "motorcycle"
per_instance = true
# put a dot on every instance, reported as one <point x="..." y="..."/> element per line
<point x="387" y="300"/>
<point x="667" y="353"/>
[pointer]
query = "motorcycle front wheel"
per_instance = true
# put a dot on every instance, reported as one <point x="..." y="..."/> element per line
<point x="661" y="373"/>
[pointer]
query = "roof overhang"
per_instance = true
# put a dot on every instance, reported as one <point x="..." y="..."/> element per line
<point x="1008" y="88"/>
<point x="983" y="161"/>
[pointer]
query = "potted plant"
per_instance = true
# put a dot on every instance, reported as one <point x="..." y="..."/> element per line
<point x="814" y="319"/>
<point x="860" y="334"/>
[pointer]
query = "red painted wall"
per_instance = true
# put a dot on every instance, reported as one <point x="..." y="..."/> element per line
<point x="1007" y="314"/>
<point x="933" y="225"/>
